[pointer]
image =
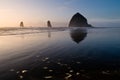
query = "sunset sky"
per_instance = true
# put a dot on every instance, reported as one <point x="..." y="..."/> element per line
<point x="37" y="12"/>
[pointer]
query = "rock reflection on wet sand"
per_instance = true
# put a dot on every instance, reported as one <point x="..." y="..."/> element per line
<point x="78" y="55"/>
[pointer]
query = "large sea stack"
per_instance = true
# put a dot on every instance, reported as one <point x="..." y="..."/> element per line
<point x="49" y="24"/>
<point x="79" y="20"/>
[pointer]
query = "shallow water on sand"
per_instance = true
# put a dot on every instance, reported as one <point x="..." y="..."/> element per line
<point x="60" y="54"/>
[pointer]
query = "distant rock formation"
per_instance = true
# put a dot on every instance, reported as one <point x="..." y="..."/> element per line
<point x="79" y="20"/>
<point x="49" y="24"/>
<point x="21" y="24"/>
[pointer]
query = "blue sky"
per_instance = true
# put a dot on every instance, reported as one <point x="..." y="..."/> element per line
<point x="37" y="12"/>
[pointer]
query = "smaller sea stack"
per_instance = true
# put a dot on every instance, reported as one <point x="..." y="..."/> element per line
<point x="79" y="20"/>
<point x="49" y="24"/>
<point x="21" y="24"/>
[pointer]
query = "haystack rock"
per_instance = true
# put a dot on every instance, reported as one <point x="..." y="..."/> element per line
<point x="79" y="20"/>
<point x="49" y="24"/>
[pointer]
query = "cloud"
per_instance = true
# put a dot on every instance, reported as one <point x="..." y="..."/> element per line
<point x="63" y="8"/>
<point x="104" y="20"/>
<point x="66" y="6"/>
<point x="69" y="2"/>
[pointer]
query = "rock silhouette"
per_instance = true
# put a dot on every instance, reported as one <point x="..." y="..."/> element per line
<point x="79" y="20"/>
<point x="49" y="24"/>
<point x="21" y="24"/>
<point x="78" y="35"/>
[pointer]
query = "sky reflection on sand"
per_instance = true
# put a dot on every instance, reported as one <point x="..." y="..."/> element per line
<point x="55" y="55"/>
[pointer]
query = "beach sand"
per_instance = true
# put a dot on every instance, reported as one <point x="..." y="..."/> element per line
<point x="60" y="54"/>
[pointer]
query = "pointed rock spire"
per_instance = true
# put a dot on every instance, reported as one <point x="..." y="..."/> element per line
<point x="49" y="24"/>
<point x="21" y="24"/>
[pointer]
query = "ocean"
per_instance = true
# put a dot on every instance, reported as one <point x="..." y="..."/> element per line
<point x="60" y="53"/>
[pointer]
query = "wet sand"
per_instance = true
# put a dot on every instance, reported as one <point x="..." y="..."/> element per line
<point x="60" y="54"/>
